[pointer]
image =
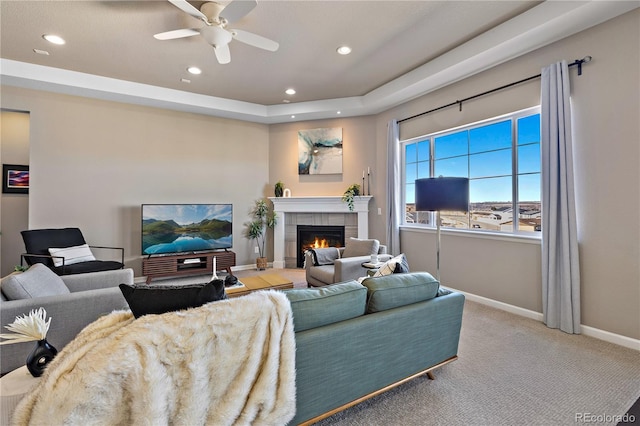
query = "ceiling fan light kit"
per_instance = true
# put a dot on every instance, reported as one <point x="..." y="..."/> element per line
<point x="217" y="17"/>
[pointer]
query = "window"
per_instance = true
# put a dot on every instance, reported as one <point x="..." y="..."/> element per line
<point x="501" y="158"/>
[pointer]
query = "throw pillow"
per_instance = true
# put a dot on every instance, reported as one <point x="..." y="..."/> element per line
<point x="387" y="268"/>
<point x="356" y="247"/>
<point x="395" y="265"/>
<point x="157" y="299"/>
<point x="37" y="281"/>
<point x="402" y="267"/>
<point x="75" y="254"/>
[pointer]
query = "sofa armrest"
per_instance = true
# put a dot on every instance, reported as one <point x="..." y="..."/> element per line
<point x="308" y="260"/>
<point x="69" y="314"/>
<point x="350" y="268"/>
<point x="97" y="280"/>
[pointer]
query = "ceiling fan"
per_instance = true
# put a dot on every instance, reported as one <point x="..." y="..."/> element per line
<point x="217" y="17"/>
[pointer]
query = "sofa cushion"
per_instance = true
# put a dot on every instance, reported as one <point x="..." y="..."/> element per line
<point x="355" y="247"/>
<point x="157" y="299"/>
<point x="88" y="267"/>
<point x="37" y="281"/>
<point x="315" y="307"/>
<point x="392" y="291"/>
<point x="71" y="255"/>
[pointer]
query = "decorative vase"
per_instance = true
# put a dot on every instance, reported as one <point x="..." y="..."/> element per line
<point x="278" y="190"/>
<point x="39" y="357"/>
<point x="261" y="263"/>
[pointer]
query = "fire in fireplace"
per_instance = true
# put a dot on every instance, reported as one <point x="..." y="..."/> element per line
<point x="314" y="236"/>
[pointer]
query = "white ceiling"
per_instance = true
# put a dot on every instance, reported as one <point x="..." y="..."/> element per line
<point x="401" y="50"/>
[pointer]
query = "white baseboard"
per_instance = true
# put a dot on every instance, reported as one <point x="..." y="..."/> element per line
<point x="586" y="330"/>
<point x="607" y="336"/>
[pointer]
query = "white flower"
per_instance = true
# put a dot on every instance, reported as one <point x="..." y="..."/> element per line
<point x="28" y="328"/>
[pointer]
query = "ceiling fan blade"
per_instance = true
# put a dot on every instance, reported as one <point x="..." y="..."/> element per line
<point x="223" y="55"/>
<point x="170" y="35"/>
<point x="184" y="6"/>
<point x="255" y="40"/>
<point x="237" y="9"/>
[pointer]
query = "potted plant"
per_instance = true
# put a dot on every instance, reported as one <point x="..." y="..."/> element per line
<point x="263" y="219"/>
<point x="352" y="191"/>
<point x="279" y="189"/>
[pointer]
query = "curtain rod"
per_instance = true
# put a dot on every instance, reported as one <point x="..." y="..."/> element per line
<point x="577" y="62"/>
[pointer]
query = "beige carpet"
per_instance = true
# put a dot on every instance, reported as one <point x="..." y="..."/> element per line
<point x="511" y="371"/>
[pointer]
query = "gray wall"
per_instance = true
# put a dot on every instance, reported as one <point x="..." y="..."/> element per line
<point x="606" y="139"/>
<point x="94" y="162"/>
<point x="14" y="208"/>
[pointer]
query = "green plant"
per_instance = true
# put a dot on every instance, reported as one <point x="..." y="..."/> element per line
<point x="352" y="191"/>
<point x="20" y="268"/>
<point x="279" y="189"/>
<point x="263" y="219"/>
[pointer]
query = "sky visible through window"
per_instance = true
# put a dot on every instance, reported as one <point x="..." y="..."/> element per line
<point x="485" y="154"/>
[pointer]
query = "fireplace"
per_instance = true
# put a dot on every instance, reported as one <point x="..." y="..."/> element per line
<point x="317" y="236"/>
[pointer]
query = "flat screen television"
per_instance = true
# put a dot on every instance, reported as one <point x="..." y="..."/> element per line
<point x="186" y="228"/>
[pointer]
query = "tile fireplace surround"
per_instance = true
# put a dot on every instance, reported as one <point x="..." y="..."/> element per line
<point x="293" y="211"/>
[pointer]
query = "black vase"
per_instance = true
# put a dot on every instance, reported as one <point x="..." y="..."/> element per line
<point x="39" y="357"/>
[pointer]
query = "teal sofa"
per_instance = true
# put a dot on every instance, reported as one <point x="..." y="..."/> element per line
<point x="353" y="341"/>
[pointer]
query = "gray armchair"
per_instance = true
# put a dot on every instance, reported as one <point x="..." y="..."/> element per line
<point x="347" y="266"/>
<point x="80" y="300"/>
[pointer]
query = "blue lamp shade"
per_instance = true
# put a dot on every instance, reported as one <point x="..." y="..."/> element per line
<point x="442" y="193"/>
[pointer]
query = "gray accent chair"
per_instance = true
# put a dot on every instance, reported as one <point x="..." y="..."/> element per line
<point x="346" y="267"/>
<point x="71" y="301"/>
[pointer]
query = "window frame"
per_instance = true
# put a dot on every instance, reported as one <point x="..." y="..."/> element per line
<point x="515" y="175"/>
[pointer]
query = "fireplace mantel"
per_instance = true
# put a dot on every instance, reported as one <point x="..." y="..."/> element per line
<point x="333" y="204"/>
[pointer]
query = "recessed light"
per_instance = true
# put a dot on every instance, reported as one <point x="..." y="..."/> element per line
<point x="194" y="70"/>
<point x="293" y="116"/>
<point x="290" y="91"/>
<point x="41" y="52"/>
<point x="339" y="112"/>
<point x="343" y="50"/>
<point x="185" y="80"/>
<point x="51" y="38"/>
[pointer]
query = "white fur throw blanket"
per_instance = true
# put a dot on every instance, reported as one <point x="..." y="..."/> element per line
<point x="230" y="362"/>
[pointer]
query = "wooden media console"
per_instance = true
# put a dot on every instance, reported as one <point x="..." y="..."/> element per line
<point x="187" y="264"/>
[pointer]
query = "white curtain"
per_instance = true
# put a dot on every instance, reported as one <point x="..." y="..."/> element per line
<point x="393" y="188"/>
<point x="560" y="262"/>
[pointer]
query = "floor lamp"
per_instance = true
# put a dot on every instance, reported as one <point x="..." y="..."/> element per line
<point x="442" y="193"/>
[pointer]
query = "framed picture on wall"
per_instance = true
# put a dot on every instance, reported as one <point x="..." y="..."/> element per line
<point x="15" y="179"/>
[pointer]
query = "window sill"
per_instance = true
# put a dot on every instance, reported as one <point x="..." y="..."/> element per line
<point x="487" y="235"/>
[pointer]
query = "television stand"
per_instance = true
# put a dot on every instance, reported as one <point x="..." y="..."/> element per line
<point x="187" y="264"/>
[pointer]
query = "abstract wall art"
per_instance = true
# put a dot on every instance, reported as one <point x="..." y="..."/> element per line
<point x="320" y="151"/>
